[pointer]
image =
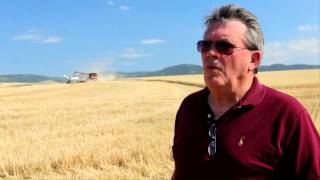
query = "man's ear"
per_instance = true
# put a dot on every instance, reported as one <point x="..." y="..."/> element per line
<point x="256" y="57"/>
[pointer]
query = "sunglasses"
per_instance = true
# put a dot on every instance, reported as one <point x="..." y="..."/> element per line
<point x="222" y="47"/>
<point x="212" y="148"/>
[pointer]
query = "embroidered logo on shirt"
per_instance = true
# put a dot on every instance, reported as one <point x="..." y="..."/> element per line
<point x="242" y="140"/>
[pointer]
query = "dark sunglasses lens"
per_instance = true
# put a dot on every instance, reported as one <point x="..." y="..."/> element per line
<point x="221" y="47"/>
<point x="203" y="46"/>
<point x="212" y="132"/>
<point x="224" y="47"/>
<point x="199" y="46"/>
<point x="212" y="149"/>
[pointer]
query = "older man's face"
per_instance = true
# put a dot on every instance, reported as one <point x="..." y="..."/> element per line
<point x="220" y="67"/>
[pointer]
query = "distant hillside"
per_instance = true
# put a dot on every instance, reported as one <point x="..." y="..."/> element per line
<point x="172" y="70"/>
<point x="180" y="69"/>
<point x="196" y="69"/>
<point x="28" y="78"/>
<point x="280" y="67"/>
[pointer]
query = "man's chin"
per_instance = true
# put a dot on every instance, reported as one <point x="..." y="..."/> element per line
<point x="214" y="81"/>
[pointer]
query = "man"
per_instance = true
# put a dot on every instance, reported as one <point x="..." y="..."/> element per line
<point x="237" y="128"/>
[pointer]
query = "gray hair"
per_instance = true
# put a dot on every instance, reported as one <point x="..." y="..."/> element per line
<point x="253" y="37"/>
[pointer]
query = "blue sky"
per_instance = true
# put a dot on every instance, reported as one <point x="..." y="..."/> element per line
<point x="56" y="37"/>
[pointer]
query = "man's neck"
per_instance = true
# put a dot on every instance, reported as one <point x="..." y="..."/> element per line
<point x="223" y="98"/>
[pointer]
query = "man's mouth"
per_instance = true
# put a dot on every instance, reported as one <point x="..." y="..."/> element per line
<point x="213" y="65"/>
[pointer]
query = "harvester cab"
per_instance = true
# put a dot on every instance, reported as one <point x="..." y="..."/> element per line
<point x="80" y="77"/>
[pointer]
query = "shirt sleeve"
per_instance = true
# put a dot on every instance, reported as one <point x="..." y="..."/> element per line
<point x="182" y="149"/>
<point x="175" y="151"/>
<point x="302" y="148"/>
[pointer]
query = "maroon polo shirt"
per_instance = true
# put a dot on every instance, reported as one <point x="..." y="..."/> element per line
<point x="266" y="135"/>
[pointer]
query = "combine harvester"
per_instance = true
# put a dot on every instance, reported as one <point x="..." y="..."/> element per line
<point x="81" y="77"/>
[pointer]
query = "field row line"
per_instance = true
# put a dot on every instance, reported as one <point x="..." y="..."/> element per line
<point x="316" y="85"/>
<point x="174" y="82"/>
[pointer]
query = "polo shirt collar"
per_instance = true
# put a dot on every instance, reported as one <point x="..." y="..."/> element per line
<point x="254" y="95"/>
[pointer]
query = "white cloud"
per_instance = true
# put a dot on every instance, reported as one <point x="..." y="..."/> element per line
<point x="26" y="37"/>
<point x="302" y="51"/>
<point x="153" y="41"/>
<point x="52" y="39"/>
<point x="37" y="38"/>
<point x="110" y="3"/>
<point x="305" y="46"/>
<point x="131" y="53"/>
<point x="124" y="8"/>
<point x="308" y="27"/>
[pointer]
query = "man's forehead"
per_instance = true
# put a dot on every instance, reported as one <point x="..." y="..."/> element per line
<point x="226" y="29"/>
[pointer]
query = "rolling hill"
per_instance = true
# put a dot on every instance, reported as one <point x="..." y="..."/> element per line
<point x="28" y="78"/>
<point x="181" y="69"/>
<point x="184" y="69"/>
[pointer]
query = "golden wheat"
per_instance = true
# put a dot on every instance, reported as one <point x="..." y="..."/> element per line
<point x="106" y="130"/>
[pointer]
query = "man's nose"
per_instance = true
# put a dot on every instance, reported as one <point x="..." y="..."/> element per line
<point x="212" y="52"/>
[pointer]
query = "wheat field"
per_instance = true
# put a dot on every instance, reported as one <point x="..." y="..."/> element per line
<point x="116" y="129"/>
